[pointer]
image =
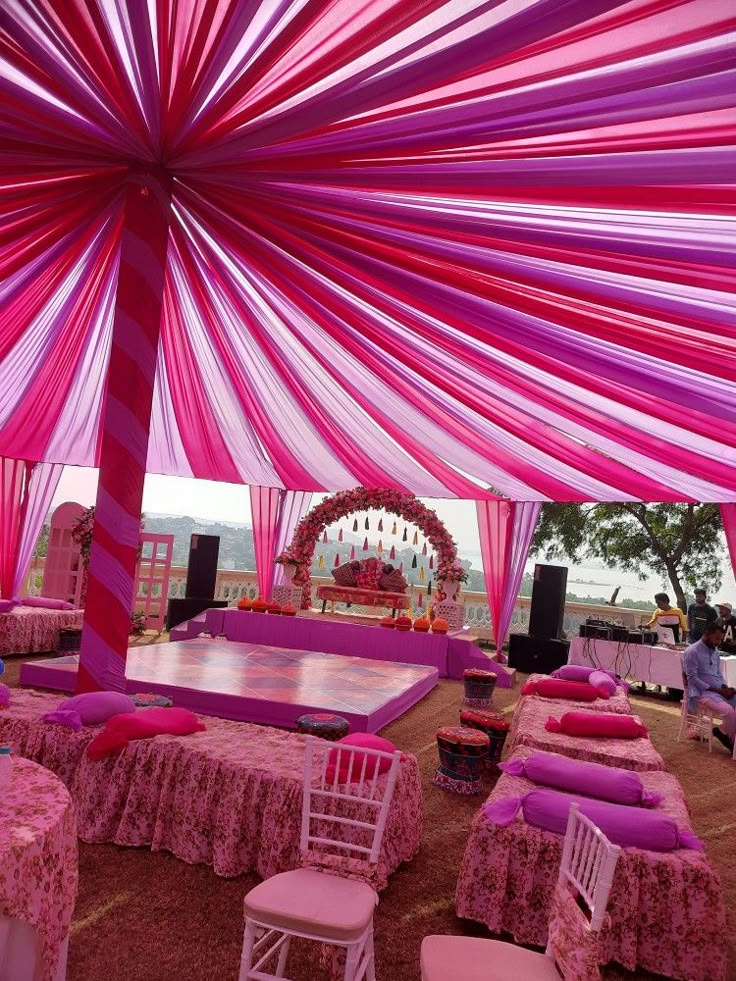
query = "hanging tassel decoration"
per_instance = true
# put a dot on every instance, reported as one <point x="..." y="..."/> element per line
<point x="421" y="574"/>
<point x="424" y="549"/>
<point x="367" y="525"/>
<point x="392" y="553"/>
<point x="339" y="535"/>
<point x="431" y="562"/>
<point x="393" y="530"/>
<point x="321" y="563"/>
<point x="355" y="525"/>
<point x="324" y="537"/>
<point x="405" y="538"/>
<point x="420" y="602"/>
<point x="429" y="588"/>
<point x="415" y="539"/>
<point x="337" y="560"/>
<point x="401" y="569"/>
<point x="380" y="524"/>
<point x="365" y="544"/>
<point x="379" y="547"/>
<point x="352" y="553"/>
<point x="414" y="562"/>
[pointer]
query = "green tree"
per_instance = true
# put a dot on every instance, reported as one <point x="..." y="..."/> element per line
<point x="42" y="545"/>
<point x="679" y="542"/>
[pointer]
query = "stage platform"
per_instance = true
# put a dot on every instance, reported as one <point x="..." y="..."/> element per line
<point x="258" y="683"/>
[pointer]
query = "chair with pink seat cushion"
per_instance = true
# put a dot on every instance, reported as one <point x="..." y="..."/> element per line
<point x="343" y="822"/>
<point x="586" y="871"/>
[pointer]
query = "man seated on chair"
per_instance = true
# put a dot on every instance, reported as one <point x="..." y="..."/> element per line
<point x="706" y="686"/>
<point x="668" y="616"/>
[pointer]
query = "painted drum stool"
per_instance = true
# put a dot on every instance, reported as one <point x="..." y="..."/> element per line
<point x="462" y="752"/>
<point x="325" y="725"/>
<point x="479" y="685"/>
<point x="151" y="700"/>
<point x="493" y="725"/>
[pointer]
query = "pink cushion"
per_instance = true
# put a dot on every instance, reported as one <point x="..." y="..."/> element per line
<point x="592" y="724"/>
<point x="47" y="603"/>
<point x="579" y="691"/>
<point x="578" y="672"/>
<point x="577" y="776"/>
<point x="344" y="575"/>
<point x="630" y="827"/>
<point x="6" y="605"/>
<point x="604" y="683"/>
<point x="90" y="709"/>
<point x="350" y="768"/>
<point x="392" y="582"/>
<point x="143" y="724"/>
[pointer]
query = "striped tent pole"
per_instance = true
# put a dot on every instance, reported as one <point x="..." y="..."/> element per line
<point x="125" y="428"/>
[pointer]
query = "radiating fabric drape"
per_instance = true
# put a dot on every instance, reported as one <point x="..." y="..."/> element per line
<point x="506" y="531"/>
<point x="437" y="245"/>
<point x="40" y="492"/>
<point x="26" y="490"/>
<point x="728" y="517"/>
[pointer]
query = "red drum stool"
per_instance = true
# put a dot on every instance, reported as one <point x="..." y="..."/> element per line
<point x="325" y="725"/>
<point x="462" y="753"/>
<point x="479" y="687"/>
<point x="493" y="725"/>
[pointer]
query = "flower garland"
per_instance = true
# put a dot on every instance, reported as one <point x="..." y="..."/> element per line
<point x="332" y="509"/>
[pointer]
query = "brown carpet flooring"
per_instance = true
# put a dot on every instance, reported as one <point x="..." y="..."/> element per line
<point x="150" y="917"/>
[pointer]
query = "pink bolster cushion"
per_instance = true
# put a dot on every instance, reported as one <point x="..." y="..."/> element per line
<point x="47" y="603"/>
<point x="351" y="768"/>
<point x="592" y="724"/>
<point x="577" y="776"/>
<point x="629" y="827"/>
<point x="90" y="709"/>
<point x="604" y="683"/>
<point x="579" y="691"/>
<point x="120" y="729"/>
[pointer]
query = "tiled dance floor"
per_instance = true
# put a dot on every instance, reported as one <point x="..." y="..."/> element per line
<point x="254" y="683"/>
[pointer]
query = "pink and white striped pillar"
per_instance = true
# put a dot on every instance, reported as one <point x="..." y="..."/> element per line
<point x="125" y="428"/>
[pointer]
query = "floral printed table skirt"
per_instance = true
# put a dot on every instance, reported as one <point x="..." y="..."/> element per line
<point x="667" y="910"/>
<point x="30" y="630"/>
<point x="38" y="858"/>
<point x="527" y="729"/>
<point x="229" y="797"/>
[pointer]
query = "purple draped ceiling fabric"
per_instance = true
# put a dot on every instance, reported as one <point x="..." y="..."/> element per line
<point x="437" y="245"/>
<point x="506" y="531"/>
<point x="26" y="490"/>
<point x="275" y="514"/>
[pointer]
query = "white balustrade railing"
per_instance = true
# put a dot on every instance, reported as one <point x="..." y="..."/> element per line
<point x="233" y="585"/>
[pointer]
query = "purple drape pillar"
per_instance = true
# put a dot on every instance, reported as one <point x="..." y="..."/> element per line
<point x="40" y="492"/>
<point x="506" y="530"/>
<point x="14" y="479"/>
<point x="728" y="517"/>
<point x="275" y="514"/>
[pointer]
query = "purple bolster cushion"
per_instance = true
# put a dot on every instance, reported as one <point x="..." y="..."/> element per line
<point x="577" y="672"/>
<point x="90" y="709"/>
<point x="603" y="682"/>
<point x="629" y="827"/>
<point x="579" y="777"/>
<point x="47" y="603"/>
<point x="6" y="605"/>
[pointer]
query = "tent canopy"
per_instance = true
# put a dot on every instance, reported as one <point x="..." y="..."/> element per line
<point x="439" y="245"/>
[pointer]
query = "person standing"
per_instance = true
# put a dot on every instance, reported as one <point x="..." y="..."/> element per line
<point x="706" y="686"/>
<point x="699" y="615"/>
<point x="668" y="616"/>
<point x="727" y="622"/>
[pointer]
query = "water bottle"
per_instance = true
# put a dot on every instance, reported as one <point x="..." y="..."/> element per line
<point x="6" y="768"/>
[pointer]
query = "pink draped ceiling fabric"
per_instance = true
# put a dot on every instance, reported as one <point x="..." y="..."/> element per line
<point x="439" y="245"/>
<point x="26" y="491"/>
<point x="506" y="531"/>
<point x="275" y="514"/>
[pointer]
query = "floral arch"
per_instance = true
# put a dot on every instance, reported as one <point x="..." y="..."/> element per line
<point x="340" y="505"/>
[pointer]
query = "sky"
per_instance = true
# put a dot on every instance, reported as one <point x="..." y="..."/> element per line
<point x="217" y="501"/>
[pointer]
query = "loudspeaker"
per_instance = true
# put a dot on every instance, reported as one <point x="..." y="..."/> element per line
<point x="202" y="569"/>
<point x="180" y="610"/>
<point x="530" y="654"/>
<point x="548" y="601"/>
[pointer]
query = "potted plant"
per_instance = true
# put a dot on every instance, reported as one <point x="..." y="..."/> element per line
<point x="451" y="577"/>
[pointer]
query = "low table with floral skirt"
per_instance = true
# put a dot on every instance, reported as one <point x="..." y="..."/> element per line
<point x="355" y="596"/>
<point x="34" y="630"/>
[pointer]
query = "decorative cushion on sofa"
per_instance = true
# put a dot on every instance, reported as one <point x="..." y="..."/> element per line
<point x="579" y="691"/>
<point x="344" y="575"/>
<point x="604" y="683"/>
<point x="581" y="777"/>
<point x="47" y="603"/>
<point x="370" y="574"/>
<point x="90" y="709"/>
<point x="392" y="582"/>
<point x="143" y="724"/>
<point x="350" y="767"/>
<point x="597" y="725"/>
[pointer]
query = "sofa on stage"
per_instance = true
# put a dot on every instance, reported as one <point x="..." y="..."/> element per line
<point x="451" y="654"/>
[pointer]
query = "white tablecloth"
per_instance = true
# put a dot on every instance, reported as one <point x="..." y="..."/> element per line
<point x="657" y="665"/>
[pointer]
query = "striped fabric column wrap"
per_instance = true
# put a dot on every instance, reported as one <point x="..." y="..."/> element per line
<point x="125" y="430"/>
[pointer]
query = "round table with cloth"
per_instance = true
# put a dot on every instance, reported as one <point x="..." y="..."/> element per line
<point x="325" y="725"/>
<point x="462" y="754"/>
<point x="38" y="874"/>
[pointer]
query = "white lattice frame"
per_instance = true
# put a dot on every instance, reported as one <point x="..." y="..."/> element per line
<point x="453" y="612"/>
<point x="154" y="571"/>
<point x="287" y="595"/>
